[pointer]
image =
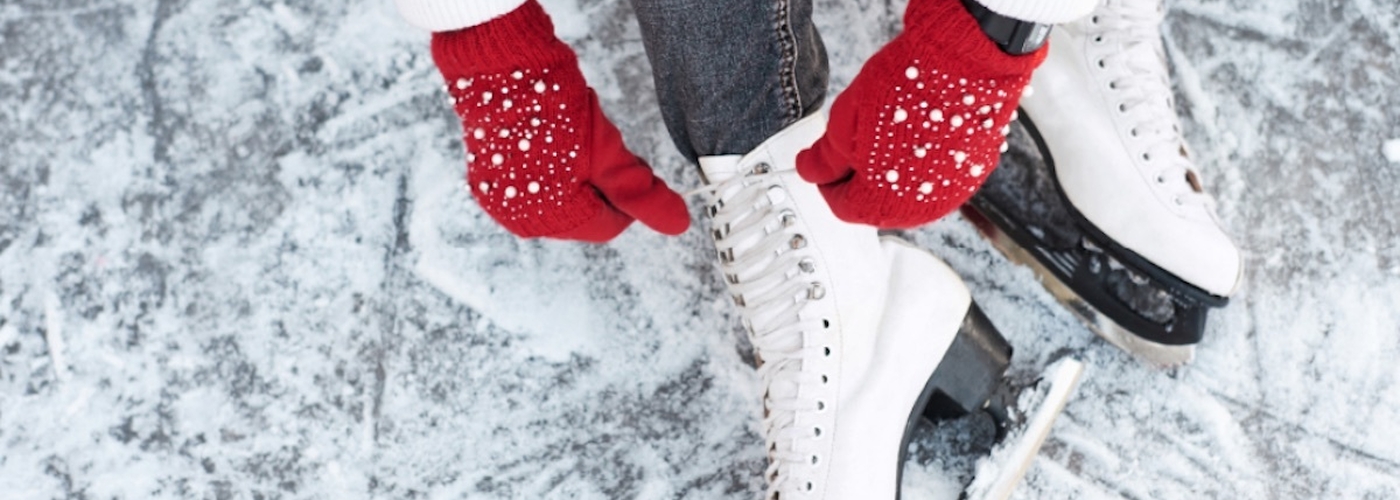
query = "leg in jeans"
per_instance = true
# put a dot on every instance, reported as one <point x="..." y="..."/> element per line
<point x="731" y="73"/>
<point x="849" y="329"/>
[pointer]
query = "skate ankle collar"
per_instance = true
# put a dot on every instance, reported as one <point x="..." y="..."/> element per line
<point x="1014" y="36"/>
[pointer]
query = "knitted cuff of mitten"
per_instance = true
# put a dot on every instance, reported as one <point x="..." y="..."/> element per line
<point x="521" y="39"/>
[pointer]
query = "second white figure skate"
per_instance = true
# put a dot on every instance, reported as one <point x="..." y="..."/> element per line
<point x="1101" y="197"/>
<point x="854" y="334"/>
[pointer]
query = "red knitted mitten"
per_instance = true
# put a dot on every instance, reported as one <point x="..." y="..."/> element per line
<point x="920" y="127"/>
<point x="542" y="159"/>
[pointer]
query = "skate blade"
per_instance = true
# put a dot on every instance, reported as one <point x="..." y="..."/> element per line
<point x="998" y="474"/>
<point x="1156" y="354"/>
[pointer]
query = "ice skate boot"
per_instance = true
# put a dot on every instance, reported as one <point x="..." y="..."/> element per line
<point x="1099" y="195"/>
<point x="848" y="329"/>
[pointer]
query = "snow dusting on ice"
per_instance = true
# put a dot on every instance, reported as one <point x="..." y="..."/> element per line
<point x="237" y="261"/>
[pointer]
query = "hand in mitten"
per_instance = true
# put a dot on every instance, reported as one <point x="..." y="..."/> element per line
<point x="542" y="159"/>
<point x="921" y="126"/>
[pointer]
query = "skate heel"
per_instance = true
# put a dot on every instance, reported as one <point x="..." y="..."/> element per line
<point x="972" y="370"/>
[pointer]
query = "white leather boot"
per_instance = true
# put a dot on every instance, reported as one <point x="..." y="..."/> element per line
<point x="848" y="328"/>
<point x="1139" y="243"/>
<point x="1104" y="105"/>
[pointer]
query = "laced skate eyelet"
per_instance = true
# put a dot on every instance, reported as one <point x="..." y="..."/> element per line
<point x="1094" y="19"/>
<point x="777" y="195"/>
<point x="826" y="323"/>
<point x="1122" y="108"/>
<point x="816" y="291"/>
<point x="789" y="218"/>
<point x="807" y="266"/>
<point x="726" y="256"/>
<point x="1101" y="64"/>
<point x="1161" y="179"/>
<point x="1194" y="181"/>
<point x="826" y="352"/>
<point x="720" y="232"/>
<point x="1146" y="157"/>
<point x="817" y="431"/>
<point x="1098" y="39"/>
<point x="809" y="486"/>
<point x="761" y="168"/>
<point x="814" y="460"/>
<point x="824" y="379"/>
<point x="1133" y="132"/>
<point x="820" y="407"/>
<point x="1112" y="86"/>
<point x="797" y="241"/>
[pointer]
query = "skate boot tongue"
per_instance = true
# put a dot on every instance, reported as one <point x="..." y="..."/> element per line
<point x="717" y="169"/>
<point x="1143" y="89"/>
<point x="766" y="253"/>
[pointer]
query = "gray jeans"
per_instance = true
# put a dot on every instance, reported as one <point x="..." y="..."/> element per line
<point x="731" y="73"/>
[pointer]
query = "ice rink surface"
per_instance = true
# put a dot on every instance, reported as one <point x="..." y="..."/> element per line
<point x="236" y="263"/>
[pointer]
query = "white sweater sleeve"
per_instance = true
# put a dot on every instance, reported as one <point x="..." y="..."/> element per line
<point x="1042" y="11"/>
<point x="448" y="15"/>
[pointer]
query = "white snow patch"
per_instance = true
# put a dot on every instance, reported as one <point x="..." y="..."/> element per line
<point x="1391" y="150"/>
<point x="928" y="483"/>
<point x="287" y="19"/>
<point x="509" y="296"/>
<point x="8" y="334"/>
<point x="570" y="22"/>
<point x="53" y="334"/>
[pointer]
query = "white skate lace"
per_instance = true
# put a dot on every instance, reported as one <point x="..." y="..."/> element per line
<point x="764" y="259"/>
<point x="1145" y="96"/>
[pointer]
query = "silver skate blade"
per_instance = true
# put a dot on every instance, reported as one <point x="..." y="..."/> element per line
<point x="1000" y="472"/>
<point x="1156" y="354"/>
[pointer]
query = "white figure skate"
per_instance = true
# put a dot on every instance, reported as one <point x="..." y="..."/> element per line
<point x="851" y="332"/>
<point x="1100" y="196"/>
